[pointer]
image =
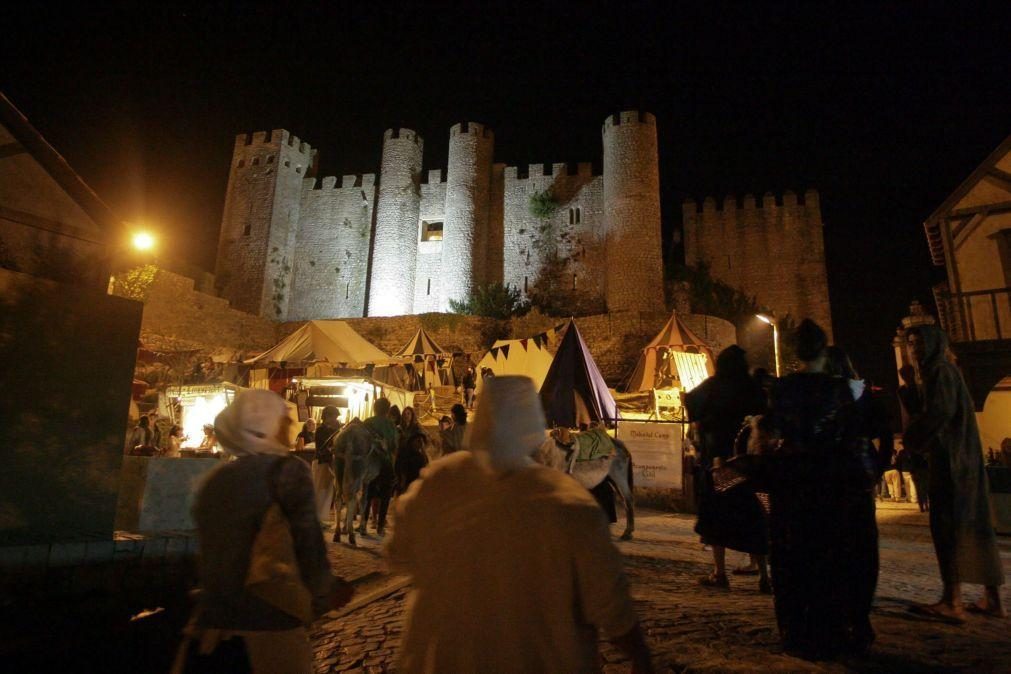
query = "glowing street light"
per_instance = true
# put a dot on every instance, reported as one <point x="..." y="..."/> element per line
<point x="765" y="318"/>
<point x="143" y="241"/>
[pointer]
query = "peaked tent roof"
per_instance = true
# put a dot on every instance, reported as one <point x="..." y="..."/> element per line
<point x="574" y="391"/>
<point x="333" y="342"/>
<point x="524" y="357"/>
<point x="675" y="335"/>
<point x="420" y="345"/>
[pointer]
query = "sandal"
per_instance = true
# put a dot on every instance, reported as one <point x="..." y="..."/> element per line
<point x="715" y="580"/>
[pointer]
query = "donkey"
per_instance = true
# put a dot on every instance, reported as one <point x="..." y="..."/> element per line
<point x="359" y="452"/>
<point x="557" y="453"/>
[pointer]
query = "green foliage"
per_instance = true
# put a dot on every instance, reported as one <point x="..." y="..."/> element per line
<point x="543" y="204"/>
<point x="492" y="301"/>
<point x="279" y="282"/>
<point x="133" y="284"/>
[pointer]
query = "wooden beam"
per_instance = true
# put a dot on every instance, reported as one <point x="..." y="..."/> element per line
<point x="999" y="178"/>
<point x="961" y="233"/>
<point x="11" y="149"/>
<point x="999" y="207"/>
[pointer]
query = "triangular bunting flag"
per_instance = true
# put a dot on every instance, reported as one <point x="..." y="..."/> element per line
<point x="537" y="341"/>
<point x="505" y="350"/>
<point x="523" y="343"/>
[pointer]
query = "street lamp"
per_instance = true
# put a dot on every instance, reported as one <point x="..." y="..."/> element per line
<point x="143" y="241"/>
<point x="765" y="318"/>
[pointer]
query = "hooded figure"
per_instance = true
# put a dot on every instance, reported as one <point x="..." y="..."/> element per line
<point x="945" y="431"/>
<point x="229" y="509"/>
<point x="534" y="573"/>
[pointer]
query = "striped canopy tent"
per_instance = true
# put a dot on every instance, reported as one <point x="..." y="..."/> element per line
<point x="659" y="366"/>
<point x="420" y="345"/>
<point x="422" y="349"/>
<point x="574" y="391"/>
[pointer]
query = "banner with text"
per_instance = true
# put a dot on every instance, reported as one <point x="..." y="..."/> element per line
<point x="656" y="452"/>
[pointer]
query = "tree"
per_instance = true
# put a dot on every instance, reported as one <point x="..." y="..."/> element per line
<point x="492" y="301"/>
<point x="553" y="294"/>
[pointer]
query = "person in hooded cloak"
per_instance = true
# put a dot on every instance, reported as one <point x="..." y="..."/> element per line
<point x="511" y="563"/>
<point x="945" y="431"/>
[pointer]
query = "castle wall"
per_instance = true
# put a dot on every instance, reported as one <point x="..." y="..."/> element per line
<point x="428" y="268"/>
<point x="396" y="241"/>
<point x="468" y="177"/>
<point x="775" y="251"/>
<point x="632" y="213"/>
<point x="258" y="225"/>
<point x="529" y="240"/>
<point x="331" y="255"/>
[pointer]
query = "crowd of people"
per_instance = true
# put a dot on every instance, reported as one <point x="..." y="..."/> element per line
<point x="790" y="471"/>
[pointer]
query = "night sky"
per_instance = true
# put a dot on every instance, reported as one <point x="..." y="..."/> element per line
<point x="883" y="110"/>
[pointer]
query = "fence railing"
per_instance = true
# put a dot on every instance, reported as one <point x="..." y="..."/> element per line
<point x="976" y="315"/>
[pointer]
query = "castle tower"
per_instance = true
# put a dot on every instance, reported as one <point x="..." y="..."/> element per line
<point x="396" y="243"/>
<point x="254" y="264"/>
<point x="468" y="177"/>
<point x="632" y="213"/>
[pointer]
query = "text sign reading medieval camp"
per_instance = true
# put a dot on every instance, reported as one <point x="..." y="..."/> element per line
<point x="656" y="452"/>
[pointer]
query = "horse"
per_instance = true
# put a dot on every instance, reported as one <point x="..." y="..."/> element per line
<point x="362" y="454"/>
<point x="557" y="452"/>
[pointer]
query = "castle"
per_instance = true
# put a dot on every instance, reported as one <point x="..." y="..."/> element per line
<point x="293" y="247"/>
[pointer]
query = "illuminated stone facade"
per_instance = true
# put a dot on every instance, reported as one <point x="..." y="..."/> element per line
<point x="294" y="247"/>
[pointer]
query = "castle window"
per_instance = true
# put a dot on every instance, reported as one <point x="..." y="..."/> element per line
<point x="298" y="169"/>
<point x="287" y="164"/>
<point x="573" y="281"/>
<point x="256" y="161"/>
<point x="431" y="231"/>
<point x="579" y="215"/>
<point x="347" y="290"/>
<point x="247" y="229"/>
<point x="572" y="216"/>
<point x="242" y="162"/>
<point x="270" y="159"/>
<point x="525" y="287"/>
<point x="429" y="290"/>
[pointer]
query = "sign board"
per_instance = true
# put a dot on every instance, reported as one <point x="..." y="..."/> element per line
<point x="656" y="452"/>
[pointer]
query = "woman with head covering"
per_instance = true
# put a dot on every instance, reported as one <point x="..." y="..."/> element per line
<point x="945" y="432"/>
<point x="534" y="573"/>
<point x="229" y="510"/>
<point x="733" y="519"/>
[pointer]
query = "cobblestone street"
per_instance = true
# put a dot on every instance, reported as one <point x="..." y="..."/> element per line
<point x="693" y="629"/>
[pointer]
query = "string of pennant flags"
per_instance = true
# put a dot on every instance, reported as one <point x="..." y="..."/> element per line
<point x="540" y="340"/>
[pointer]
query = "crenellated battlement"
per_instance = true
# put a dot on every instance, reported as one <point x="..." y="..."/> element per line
<point x="584" y="169"/>
<point x="471" y="129"/>
<point x="628" y="117"/>
<point x="749" y="207"/>
<point x="346" y="182"/>
<point x="277" y="137"/>
<point x="406" y="134"/>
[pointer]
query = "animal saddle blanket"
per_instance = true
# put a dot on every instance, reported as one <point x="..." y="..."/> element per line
<point x="592" y="445"/>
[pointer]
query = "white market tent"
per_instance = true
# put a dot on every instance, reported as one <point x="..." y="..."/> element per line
<point x="333" y="342"/>
<point x="524" y="357"/>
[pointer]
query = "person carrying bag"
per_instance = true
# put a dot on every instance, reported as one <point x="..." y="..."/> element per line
<point x="263" y="566"/>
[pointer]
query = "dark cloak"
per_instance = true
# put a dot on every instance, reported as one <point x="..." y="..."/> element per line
<point x="946" y="433"/>
<point x="733" y="519"/>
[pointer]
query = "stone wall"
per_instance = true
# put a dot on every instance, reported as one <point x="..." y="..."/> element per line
<point x="775" y="252"/>
<point x="176" y="316"/>
<point x="331" y="258"/>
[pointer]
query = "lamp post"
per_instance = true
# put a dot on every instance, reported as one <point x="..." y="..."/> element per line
<point x="765" y="318"/>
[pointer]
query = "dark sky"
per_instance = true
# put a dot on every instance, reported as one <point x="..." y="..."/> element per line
<point x="884" y="110"/>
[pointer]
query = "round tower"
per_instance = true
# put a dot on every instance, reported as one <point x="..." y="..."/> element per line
<point x="397" y="208"/>
<point x="465" y="231"/>
<point x="632" y="213"/>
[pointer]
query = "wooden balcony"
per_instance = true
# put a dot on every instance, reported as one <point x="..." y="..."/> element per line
<point x="976" y="316"/>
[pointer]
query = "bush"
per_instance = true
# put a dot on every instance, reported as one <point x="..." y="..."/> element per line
<point x="492" y="301"/>
<point x="543" y="204"/>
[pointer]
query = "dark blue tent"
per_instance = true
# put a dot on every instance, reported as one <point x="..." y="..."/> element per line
<point x="574" y="391"/>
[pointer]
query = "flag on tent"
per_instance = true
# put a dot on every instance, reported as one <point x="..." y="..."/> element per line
<point x="574" y="391"/>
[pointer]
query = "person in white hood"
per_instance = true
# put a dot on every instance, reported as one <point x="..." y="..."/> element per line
<point x="511" y="563"/>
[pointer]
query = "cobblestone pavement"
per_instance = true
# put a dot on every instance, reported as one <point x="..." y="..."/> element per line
<point x="690" y="628"/>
